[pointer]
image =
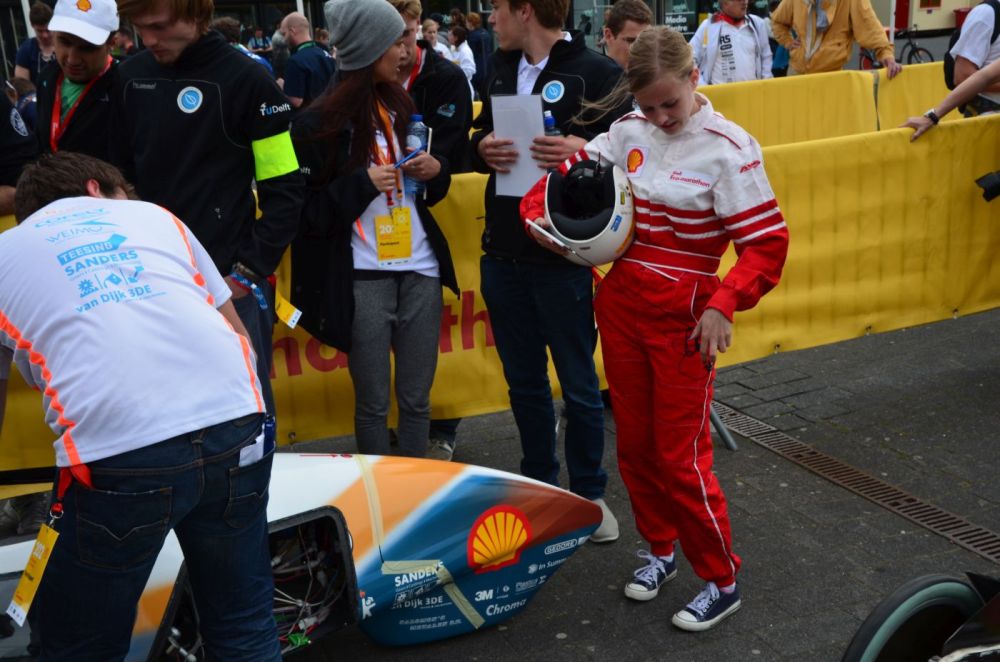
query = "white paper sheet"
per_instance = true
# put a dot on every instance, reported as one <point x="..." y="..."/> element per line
<point x="518" y="117"/>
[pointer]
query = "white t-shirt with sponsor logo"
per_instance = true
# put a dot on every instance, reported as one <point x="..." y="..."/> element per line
<point x="974" y="41"/>
<point x="109" y="308"/>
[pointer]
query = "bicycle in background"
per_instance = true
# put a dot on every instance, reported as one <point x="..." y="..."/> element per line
<point x="911" y="53"/>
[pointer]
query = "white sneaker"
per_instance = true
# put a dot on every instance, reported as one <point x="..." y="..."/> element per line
<point x="608" y="530"/>
<point x="439" y="449"/>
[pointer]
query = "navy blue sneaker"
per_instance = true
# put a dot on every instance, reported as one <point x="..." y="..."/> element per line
<point x="649" y="578"/>
<point x="706" y="610"/>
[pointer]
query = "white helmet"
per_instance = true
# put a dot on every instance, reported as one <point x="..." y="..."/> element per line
<point x="591" y="211"/>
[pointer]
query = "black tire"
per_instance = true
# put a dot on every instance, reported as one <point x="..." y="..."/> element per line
<point x="919" y="55"/>
<point x="915" y="621"/>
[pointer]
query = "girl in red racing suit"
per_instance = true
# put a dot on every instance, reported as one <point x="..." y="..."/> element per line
<point x="698" y="183"/>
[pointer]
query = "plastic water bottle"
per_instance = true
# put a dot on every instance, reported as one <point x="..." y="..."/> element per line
<point x="416" y="138"/>
<point x="550" y="124"/>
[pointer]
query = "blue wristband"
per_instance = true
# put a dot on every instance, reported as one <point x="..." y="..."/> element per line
<point x="254" y="290"/>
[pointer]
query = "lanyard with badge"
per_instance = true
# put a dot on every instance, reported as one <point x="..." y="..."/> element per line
<point x="41" y="550"/>
<point x="57" y="126"/>
<point x="393" y="231"/>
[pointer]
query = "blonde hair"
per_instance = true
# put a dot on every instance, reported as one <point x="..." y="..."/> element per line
<point x="657" y="51"/>
<point x="428" y="24"/>
<point x="408" y="8"/>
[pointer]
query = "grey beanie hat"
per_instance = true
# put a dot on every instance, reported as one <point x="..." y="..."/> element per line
<point x="362" y="30"/>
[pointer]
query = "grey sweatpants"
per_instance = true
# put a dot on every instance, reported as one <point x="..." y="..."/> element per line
<point x="401" y="312"/>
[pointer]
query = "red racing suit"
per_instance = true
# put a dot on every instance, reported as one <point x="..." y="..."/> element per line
<point x="695" y="191"/>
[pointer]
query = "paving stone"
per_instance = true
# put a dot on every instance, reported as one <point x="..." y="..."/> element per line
<point x="817" y="397"/>
<point x="780" y="391"/>
<point x="767" y="410"/>
<point x="739" y="402"/>
<point x="772" y="378"/>
<point x="820" y="412"/>
<point x="786" y="422"/>
<point x="734" y="374"/>
<point x="729" y="390"/>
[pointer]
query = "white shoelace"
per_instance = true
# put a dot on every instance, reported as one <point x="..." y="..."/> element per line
<point x="705" y="599"/>
<point x="655" y="563"/>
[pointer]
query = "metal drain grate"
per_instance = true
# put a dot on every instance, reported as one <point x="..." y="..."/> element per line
<point x="974" y="538"/>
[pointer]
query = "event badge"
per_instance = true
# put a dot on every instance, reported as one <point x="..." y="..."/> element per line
<point x="394" y="236"/>
<point x="32" y="575"/>
<point x="287" y="313"/>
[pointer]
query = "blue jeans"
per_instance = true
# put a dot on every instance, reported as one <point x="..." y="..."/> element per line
<point x="109" y="538"/>
<point x="260" y="326"/>
<point x="534" y="306"/>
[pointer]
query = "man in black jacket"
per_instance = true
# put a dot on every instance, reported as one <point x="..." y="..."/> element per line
<point x="537" y="299"/>
<point x="17" y="149"/>
<point x="199" y="122"/>
<point x="74" y="106"/>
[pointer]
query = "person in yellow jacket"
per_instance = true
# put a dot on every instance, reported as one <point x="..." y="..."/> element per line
<point x="819" y="34"/>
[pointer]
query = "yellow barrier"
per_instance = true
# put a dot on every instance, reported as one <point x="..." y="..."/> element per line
<point x="916" y="88"/>
<point x="879" y="241"/>
<point x="799" y="108"/>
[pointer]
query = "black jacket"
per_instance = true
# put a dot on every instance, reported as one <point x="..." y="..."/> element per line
<point x="441" y="95"/>
<point x="17" y="147"/>
<point x="322" y="259"/>
<point x="192" y="137"/>
<point x="89" y="130"/>
<point x="583" y="74"/>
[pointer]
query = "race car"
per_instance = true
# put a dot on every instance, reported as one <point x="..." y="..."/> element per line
<point x="412" y="550"/>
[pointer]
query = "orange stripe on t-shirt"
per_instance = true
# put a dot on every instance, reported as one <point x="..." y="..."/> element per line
<point x="39" y="359"/>
<point x="199" y="279"/>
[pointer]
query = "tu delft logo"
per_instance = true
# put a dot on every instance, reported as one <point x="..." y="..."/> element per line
<point x="189" y="100"/>
<point x="553" y="91"/>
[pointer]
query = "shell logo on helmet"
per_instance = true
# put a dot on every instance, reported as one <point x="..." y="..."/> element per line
<point x="84" y="5"/>
<point x="497" y="538"/>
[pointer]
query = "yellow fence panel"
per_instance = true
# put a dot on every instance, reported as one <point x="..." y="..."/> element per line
<point x="794" y="109"/>
<point x="916" y="88"/>
<point x="882" y="238"/>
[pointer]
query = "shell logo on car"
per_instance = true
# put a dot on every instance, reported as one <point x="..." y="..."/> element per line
<point x="497" y="538"/>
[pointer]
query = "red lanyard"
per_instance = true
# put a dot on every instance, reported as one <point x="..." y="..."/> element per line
<point x="58" y="127"/>
<point x="390" y="158"/>
<point x="416" y="69"/>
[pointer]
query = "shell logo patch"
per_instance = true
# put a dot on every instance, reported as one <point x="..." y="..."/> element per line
<point x="635" y="160"/>
<point x="553" y="91"/>
<point x="497" y="539"/>
<point x="84" y="5"/>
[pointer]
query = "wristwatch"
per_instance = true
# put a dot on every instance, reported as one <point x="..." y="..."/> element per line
<point x="932" y="116"/>
<point x="246" y="272"/>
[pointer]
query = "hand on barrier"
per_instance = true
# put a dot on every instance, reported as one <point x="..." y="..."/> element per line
<point x="383" y="177"/>
<point x="551" y="151"/>
<point x="714" y="333"/>
<point x="892" y="67"/>
<point x="422" y="167"/>
<point x="919" y="124"/>
<point x="497" y="152"/>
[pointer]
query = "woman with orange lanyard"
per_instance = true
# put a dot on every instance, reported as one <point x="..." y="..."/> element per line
<point x="369" y="262"/>
<point x="699" y="183"/>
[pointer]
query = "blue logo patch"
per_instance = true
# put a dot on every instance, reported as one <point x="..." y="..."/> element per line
<point x="615" y="223"/>
<point x="189" y="100"/>
<point x="446" y="110"/>
<point x="553" y="91"/>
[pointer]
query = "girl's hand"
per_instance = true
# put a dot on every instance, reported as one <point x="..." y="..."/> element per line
<point x="544" y="241"/>
<point x="422" y="167"/>
<point x="383" y="177"/>
<point x="714" y="333"/>
<point x="920" y="124"/>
